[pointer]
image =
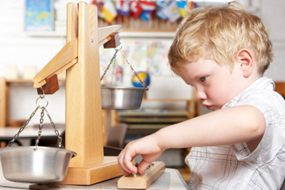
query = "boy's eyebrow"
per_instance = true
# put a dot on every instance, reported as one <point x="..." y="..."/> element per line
<point x="197" y="75"/>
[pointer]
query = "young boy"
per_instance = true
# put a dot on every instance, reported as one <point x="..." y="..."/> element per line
<point x="223" y="52"/>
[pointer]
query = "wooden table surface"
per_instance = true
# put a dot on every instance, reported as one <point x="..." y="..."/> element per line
<point x="176" y="183"/>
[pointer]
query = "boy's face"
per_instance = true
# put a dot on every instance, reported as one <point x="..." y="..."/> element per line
<point x="215" y="85"/>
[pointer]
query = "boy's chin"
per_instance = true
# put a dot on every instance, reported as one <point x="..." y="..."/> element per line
<point x="215" y="108"/>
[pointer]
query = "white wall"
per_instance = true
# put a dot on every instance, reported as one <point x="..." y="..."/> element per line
<point x="20" y="49"/>
<point x="273" y="14"/>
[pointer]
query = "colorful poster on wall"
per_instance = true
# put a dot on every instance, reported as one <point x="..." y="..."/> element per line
<point x="143" y="55"/>
<point x="157" y="60"/>
<point x="39" y="15"/>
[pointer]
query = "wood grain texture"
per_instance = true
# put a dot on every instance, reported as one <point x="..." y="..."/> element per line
<point x="88" y="174"/>
<point x="163" y="182"/>
<point x="84" y="128"/>
<point x="51" y="85"/>
<point x="64" y="57"/>
<point x="142" y="181"/>
<point x="83" y="96"/>
<point x="114" y="41"/>
<point x="2" y="102"/>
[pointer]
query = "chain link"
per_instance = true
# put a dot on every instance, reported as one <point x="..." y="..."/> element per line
<point x="55" y="130"/>
<point x="113" y="70"/>
<point x="114" y="56"/>
<point x="40" y="127"/>
<point x="41" y="123"/>
<point x="23" y="127"/>
<point x="144" y="85"/>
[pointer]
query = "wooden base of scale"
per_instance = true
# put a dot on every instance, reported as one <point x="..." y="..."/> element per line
<point x="87" y="175"/>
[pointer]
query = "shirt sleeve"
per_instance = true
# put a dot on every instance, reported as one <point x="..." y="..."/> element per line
<point x="273" y="138"/>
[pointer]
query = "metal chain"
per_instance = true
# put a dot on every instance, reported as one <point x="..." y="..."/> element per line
<point x="55" y="130"/>
<point x="144" y="85"/>
<point x="40" y="127"/>
<point x="23" y="127"/>
<point x="114" y="56"/>
<point x="113" y="70"/>
<point x="41" y="123"/>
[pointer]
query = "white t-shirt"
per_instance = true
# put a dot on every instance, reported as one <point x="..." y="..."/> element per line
<point x="233" y="166"/>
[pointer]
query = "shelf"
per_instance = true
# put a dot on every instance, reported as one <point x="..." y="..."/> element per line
<point x="153" y="120"/>
<point x="147" y="34"/>
<point x="46" y="34"/>
<point x="122" y="34"/>
<point x="19" y="81"/>
<point x="10" y="81"/>
<point x="152" y="113"/>
<point x="147" y="126"/>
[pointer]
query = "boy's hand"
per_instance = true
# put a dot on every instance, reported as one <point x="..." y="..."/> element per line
<point x="147" y="147"/>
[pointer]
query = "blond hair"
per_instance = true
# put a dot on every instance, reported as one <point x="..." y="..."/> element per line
<point x="218" y="33"/>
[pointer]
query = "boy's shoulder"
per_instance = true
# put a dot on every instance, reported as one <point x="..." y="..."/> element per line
<point x="260" y="94"/>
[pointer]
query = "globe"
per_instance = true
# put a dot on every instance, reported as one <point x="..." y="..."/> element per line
<point x="144" y="76"/>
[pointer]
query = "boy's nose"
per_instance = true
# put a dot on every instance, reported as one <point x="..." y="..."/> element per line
<point x="201" y="95"/>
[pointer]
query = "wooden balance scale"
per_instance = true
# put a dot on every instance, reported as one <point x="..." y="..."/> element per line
<point x="80" y="58"/>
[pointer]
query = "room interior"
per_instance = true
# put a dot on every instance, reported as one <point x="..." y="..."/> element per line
<point x="145" y="43"/>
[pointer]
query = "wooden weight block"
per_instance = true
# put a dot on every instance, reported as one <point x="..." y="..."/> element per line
<point x="142" y="181"/>
<point x="51" y="85"/>
<point x="114" y="42"/>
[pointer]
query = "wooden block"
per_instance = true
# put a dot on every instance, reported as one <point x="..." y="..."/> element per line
<point x="29" y="72"/>
<point x="142" y="181"/>
<point x="280" y="88"/>
<point x="163" y="182"/>
<point x="51" y="85"/>
<point x="11" y="72"/>
<point x="114" y="42"/>
<point x="3" y="144"/>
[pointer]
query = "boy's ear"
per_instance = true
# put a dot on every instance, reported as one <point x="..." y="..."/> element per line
<point x="245" y="60"/>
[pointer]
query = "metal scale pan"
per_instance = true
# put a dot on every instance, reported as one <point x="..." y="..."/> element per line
<point x="35" y="164"/>
<point x="119" y="97"/>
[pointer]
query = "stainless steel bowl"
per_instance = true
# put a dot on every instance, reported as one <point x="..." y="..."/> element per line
<point x="43" y="165"/>
<point x="121" y="98"/>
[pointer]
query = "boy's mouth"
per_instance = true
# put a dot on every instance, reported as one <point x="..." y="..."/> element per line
<point x="207" y="106"/>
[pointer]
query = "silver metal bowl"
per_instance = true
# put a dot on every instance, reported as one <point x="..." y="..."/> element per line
<point x="121" y="98"/>
<point x="43" y="165"/>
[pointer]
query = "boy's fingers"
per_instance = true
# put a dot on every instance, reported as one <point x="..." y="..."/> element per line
<point x="129" y="165"/>
<point x="122" y="164"/>
<point x="143" y="166"/>
<point x="125" y="163"/>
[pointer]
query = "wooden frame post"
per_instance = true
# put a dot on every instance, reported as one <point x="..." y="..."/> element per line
<point x="83" y="102"/>
<point x="3" y="103"/>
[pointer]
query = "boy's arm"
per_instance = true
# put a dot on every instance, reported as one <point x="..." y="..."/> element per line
<point x="222" y="127"/>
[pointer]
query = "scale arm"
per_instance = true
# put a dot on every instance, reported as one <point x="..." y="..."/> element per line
<point x="68" y="55"/>
<point x="60" y="62"/>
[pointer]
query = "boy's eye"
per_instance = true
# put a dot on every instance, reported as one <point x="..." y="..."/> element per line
<point x="203" y="79"/>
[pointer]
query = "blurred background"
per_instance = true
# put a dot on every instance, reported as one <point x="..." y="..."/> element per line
<point x="33" y="31"/>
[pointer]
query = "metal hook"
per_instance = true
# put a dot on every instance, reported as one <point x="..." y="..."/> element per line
<point x="42" y="96"/>
<point x="119" y="47"/>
